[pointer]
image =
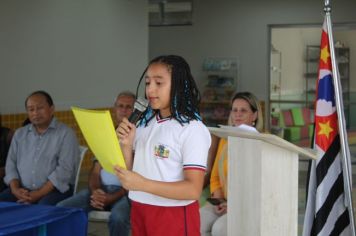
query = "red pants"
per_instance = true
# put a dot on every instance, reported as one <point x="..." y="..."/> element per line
<point x="150" y="220"/>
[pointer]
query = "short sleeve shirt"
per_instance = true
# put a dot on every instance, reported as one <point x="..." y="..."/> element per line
<point x="164" y="149"/>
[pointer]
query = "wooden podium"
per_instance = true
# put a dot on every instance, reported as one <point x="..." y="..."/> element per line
<point x="262" y="183"/>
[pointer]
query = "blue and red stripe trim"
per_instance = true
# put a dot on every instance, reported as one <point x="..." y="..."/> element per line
<point x="194" y="167"/>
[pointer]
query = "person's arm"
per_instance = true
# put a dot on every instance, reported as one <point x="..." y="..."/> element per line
<point x="215" y="183"/>
<point x="126" y="133"/>
<point x="222" y="207"/>
<point x="194" y="148"/>
<point x="68" y="160"/>
<point x="211" y="158"/>
<point x="36" y="195"/>
<point x="188" y="189"/>
<point x="20" y="193"/>
<point x="216" y="187"/>
<point x="218" y="193"/>
<point x="113" y="197"/>
<point x="214" y="178"/>
<point x="12" y="177"/>
<point x="99" y="198"/>
<point x="94" y="177"/>
<point x="11" y="163"/>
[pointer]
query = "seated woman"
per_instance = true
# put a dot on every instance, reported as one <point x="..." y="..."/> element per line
<point x="245" y="110"/>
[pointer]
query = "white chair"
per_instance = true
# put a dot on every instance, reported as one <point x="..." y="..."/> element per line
<point x="102" y="216"/>
<point x="82" y="150"/>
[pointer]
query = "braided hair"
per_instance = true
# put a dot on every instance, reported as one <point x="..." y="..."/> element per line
<point x="184" y="97"/>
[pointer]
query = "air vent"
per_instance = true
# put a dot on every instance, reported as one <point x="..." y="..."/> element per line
<point x="170" y="13"/>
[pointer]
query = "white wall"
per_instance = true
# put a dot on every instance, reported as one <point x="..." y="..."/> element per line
<point x="83" y="52"/>
<point x="236" y="28"/>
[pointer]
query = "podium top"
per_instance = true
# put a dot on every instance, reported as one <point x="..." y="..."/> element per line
<point x="268" y="138"/>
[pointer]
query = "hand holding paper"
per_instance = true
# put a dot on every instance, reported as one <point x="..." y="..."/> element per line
<point x="99" y="132"/>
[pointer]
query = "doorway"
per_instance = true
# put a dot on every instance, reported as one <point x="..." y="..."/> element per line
<point x="294" y="57"/>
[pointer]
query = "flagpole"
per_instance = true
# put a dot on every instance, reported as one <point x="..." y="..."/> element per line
<point x="341" y="117"/>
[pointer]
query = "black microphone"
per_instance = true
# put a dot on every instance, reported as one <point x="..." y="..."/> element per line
<point x="139" y="107"/>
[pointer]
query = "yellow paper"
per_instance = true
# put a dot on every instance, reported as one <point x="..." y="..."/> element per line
<point x="99" y="132"/>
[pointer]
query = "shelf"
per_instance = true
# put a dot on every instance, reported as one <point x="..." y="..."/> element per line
<point x="343" y="62"/>
<point x="287" y="101"/>
<point x="219" y="64"/>
<point x="220" y="76"/>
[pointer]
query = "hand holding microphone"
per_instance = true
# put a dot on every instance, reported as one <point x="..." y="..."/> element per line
<point x="139" y="107"/>
<point x="127" y="128"/>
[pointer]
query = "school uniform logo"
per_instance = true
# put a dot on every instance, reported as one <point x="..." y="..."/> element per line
<point x="161" y="151"/>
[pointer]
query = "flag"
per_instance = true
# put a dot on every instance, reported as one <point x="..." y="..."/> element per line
<point x="326" y="212"/>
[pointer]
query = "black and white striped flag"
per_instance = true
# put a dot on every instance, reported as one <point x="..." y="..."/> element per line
<point x="326" y="211"/>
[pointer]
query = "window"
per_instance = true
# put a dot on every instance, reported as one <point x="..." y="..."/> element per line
<point x="294" y="60"/>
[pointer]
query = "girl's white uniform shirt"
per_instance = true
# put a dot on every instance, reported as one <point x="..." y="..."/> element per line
<point x="163" y="150"/>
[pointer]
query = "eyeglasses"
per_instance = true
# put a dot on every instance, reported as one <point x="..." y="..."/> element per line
<point x="123" y="107"/>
